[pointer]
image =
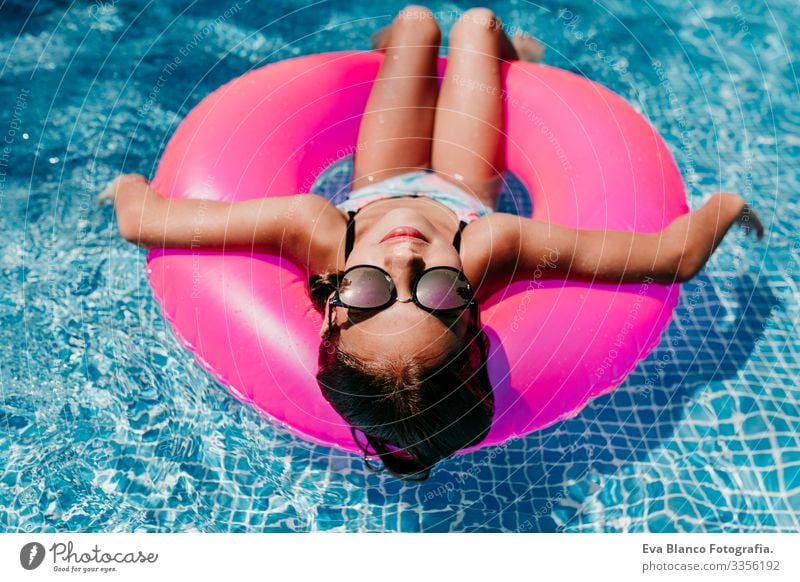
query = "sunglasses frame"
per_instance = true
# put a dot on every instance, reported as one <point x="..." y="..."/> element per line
<point x="336" y="301"/>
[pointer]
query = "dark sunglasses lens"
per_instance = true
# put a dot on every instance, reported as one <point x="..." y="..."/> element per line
<point x="443" y="289"/>
<point x="365" y="288"/>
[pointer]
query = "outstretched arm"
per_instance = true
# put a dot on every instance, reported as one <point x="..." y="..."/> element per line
<point x="676" y="253"/>
<point x="145" y="218"/>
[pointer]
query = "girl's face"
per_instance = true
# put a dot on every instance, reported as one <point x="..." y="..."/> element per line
<point x="401" y="328"/>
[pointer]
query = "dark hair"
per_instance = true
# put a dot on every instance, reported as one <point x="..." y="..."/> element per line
<point x="412" y="416"/>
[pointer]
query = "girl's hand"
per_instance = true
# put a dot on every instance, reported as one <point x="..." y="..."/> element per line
<point x="699" y="233"/>
<point x="748" y="220"/>
<point x="137" y="206"/>
<point x="124" y="181"/>
<point x="744" y="216"/>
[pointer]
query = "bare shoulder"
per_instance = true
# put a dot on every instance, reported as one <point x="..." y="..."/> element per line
<point x="489" y="249"/>
<point x="322" y="228"/>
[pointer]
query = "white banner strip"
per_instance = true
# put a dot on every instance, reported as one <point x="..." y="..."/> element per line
<point x="390" y="557"/>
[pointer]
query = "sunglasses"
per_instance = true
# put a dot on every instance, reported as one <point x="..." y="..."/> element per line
<point x="436" y="290"/>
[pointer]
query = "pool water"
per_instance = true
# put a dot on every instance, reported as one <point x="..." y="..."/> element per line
<point x="108" y="424"/>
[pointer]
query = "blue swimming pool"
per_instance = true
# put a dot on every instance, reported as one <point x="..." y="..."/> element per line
<point x="108" y="424"/>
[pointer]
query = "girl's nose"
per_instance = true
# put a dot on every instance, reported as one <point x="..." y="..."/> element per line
<point x="404" y="264"/>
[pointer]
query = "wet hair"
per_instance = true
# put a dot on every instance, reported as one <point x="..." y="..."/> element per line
<point x="410" y="415"/>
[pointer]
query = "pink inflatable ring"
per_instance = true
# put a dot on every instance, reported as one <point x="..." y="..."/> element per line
<point x="587" y="158"/>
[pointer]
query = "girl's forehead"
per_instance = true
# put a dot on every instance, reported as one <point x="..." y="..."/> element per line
<point x="416" y="335"/>
<point x="401" y="319"/>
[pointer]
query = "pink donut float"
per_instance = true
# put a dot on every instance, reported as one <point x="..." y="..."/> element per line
<point x="587" y="158"/>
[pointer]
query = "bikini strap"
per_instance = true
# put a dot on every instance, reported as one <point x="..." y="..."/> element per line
<point x="350" y="233"/>
<point x="457" y="238"/>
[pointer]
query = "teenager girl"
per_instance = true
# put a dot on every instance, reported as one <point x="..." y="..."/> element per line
<point x="399" y="269"/>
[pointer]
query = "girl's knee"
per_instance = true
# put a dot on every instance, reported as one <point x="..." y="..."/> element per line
<point x="476" y="21"/>
<point x="417" y="24"/>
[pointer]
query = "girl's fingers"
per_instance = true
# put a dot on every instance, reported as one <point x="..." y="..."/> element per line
<point x="110" y="191"/>
<point x="750" y="221"/>
<point x="757" y="224"/>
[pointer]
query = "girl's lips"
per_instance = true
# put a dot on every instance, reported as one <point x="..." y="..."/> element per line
<point x="404" y="232"/>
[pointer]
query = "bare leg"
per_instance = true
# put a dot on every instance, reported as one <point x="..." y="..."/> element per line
<point x="468" y="132"/>
<point x="396" y="129"/>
